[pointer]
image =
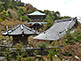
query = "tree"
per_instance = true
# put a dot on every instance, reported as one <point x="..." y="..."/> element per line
<point x="53" y="52"/>
<point x="65" y="17"/>
<point x="11" y="6"/>
<point x="42" y="47"/>
<point x="38" y="59"/>
<point x="1" y="19"/>
<point x="57" y="13"/>
<point x="49" y="21"/>
<point x="69" y="38"/>
<point x="21" y="11"/>
<point x="7" y="54"/>
<point x="6" y="5"/>
<point x="25" y="18"/>
<point x="77" y="35"/>
<point x="47" y="12"/>
<point x="52" y="14"/>
<point x="4" y="14"/>
<point x="29" y="59"/>
<point x="50" y="55"/>
<point x="2" y="8"/>
<point x="19" y="51"/>
<point x="19" y="17"/>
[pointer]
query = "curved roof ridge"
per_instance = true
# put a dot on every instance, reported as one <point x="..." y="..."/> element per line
<point x="36" y="13"/>
<point x="13" y="28"/>
<point x="63" y="20"/>
<point x="19" y="30"/>
<point x="30" y="29"/>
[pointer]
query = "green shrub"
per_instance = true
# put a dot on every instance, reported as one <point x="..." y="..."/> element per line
<point x="2" y="8"/>
<point x="67" y="54"/>
<point x="21" y="11"/>
<point x="19" y="51"/>
<point x="29" y="59"/>
<point x="1" y="19"/>
<point x="4" y="14"/>
<point x="8" y="54"/>
<point x="42" y="46"/>
<point x="25" y="18"/>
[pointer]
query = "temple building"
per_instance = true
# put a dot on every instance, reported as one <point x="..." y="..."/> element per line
<point x="20" y="33"/>
<point x="37" y="20"/>
<point x="58" y="30"/>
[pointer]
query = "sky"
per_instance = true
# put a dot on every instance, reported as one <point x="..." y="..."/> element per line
<point x="65" y="7"/>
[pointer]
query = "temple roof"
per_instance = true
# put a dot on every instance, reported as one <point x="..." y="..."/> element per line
<point x="36" y="13"/>
<point x="20" y="29"/>
<point x="37" y="22"/>
<point x="57" y="31"/>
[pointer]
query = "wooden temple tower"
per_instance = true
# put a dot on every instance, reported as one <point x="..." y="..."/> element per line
<point x="20" y="33"/>
<point x="37" y="20"/>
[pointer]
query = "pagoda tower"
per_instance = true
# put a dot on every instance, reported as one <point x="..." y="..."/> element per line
<point x="37" y="20"/>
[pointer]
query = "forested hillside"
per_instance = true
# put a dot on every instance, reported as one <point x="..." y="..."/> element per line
<point x="71" y="46"/>
<point x="13" y="13"/>
<point x="11" y="9"/>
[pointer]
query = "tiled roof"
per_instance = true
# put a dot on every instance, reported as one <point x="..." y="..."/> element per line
<point x="19" y="30"/>
<point x="37" y="22"/>
<point x="57" y="31"/>
<point x="36" y="13"/>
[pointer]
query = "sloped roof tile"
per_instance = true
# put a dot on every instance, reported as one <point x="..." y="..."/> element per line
<point x="19" y="30"/>
<point x="57" y="31"/>
<point x="36" y="13"/>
